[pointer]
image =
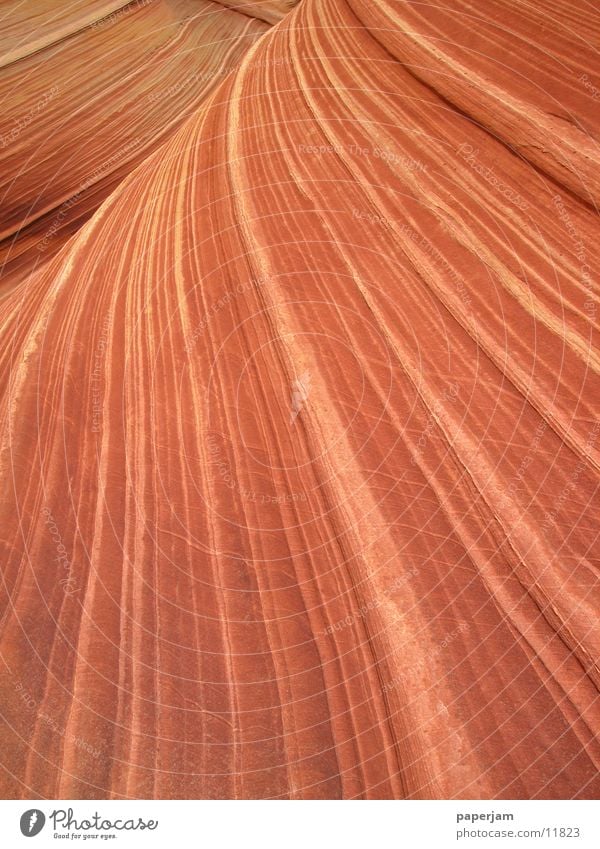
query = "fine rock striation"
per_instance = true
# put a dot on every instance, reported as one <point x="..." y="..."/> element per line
<point x="299" y="432"/>
<point x="85" y="103"/>
<point x="271" y="11"/>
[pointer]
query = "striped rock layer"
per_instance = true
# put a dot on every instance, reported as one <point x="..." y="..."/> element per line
<point x="299" y="436"/>
<point x="85" y="103"/>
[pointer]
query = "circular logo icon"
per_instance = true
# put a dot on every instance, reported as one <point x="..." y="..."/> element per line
<point x="32" y="822"/>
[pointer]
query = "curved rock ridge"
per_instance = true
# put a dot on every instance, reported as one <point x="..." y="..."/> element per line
<point x="32" y="25"/>
<point x="299" y="434"/>
<point x="84" y="111"/>
<point x="271" y="11"/>
<point x="523" y="74"/>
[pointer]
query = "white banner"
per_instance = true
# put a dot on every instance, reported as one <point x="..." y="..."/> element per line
<point x="298" y="825"/>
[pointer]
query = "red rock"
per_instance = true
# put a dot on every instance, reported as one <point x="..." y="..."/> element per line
<point x="86" y="103"/>
<point x="311" y="404"/>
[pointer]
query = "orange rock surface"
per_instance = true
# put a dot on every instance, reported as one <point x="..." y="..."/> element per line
<point x="299" y="432"/>
<point x="85" y="102"/>
<point x="271" y="11"/>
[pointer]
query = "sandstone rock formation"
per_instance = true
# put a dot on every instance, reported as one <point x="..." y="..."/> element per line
<point x="299" y="432"/>
<point x="271" y="11"/>
<point x="86" y="101"/>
